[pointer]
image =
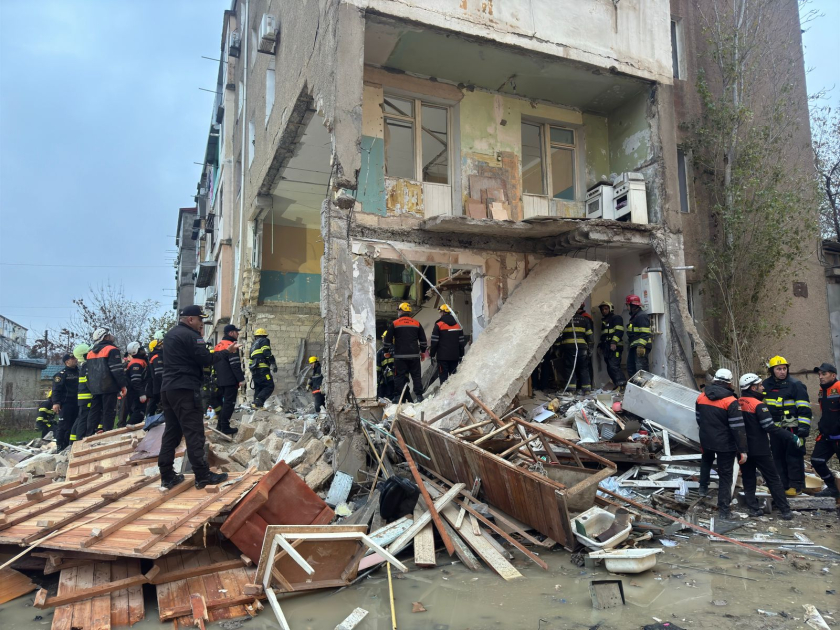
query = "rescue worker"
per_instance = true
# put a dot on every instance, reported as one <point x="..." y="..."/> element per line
<point x="229" y="378"/>
<point x="612" y="343"/>
<point x="758" y="423"/>
<point x="155" y="376"/>
<point x="788" y="401"/>
<point x="136" y="370"/>
<point x="638" y="336"/>
<point x="828" y="439"/>
<point x="447" y="343"/>
<point x="315" y="384"/>
<point x="46" y="416"/>
<point x="65" y="401"/>
<point x="79" y="428"/>
<point x="722" y="436"/>
<point x="186" y="357"/>
<point x="209" y="397"/>
<point x="261" y="361"/>
<point x="407" y="340"/>
<point x="575" y="349"/>
<point x="106" y="380"/>
<point x="384" y="372"/>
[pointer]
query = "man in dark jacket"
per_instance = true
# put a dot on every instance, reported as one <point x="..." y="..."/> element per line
<point x="261" y="361"/>
<point x="722" y="436"/>
<point x="186" y="357"/>
<point x="828" y="440"/>
<point x="155" y="376"/>
<point x="45" y="421"/>
<point x="448" y="343"/>
<point x="316" y="382"/>
<point x="759" y="424"/>
<point x="136" y="371"/>
<point x="384" y="372"/>
<point x="65" y="401"/>
<point x="639" y="337"/>
<point x="407" y="341"/>
<point x="787" y="399"/>
<point x="612" y="343"/>
<point x="229" y="377"/>
<point x="83" y="397"/>
<point x="106" y="379"/>
<point x="575" y="346"/>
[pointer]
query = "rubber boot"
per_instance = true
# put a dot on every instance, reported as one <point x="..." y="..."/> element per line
<point x="212" y="479"/>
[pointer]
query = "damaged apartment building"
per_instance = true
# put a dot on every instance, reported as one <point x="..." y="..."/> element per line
<point x="521" y="155"/>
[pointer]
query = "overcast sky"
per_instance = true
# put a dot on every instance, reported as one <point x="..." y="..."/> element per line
<point x="101" y="121"/>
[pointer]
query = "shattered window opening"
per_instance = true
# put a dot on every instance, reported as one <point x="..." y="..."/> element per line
<point x="416" y="140"/>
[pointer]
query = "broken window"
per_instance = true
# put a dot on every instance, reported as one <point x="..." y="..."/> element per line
<point x="416" y="140"/>
<point x="559" y="177"/>
<point x="682" y="173"/>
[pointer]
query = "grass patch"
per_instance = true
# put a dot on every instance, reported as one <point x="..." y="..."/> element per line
<point x="19" y="435"/>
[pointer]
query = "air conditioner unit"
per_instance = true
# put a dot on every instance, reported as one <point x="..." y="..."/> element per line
<point x="235" y="44"/>
<point x="268" y="34"/>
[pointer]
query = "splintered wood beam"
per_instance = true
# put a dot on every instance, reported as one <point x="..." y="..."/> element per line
<point x="167" y="614"/>
<point x="94" y="591"/>
<point x="196" y="509"/>
<point x="82" y="492"/>
<point x="444" y="414"/>
<point x="494" y="433"/>
<point x="408" y="535"/>
<point x="198" y="608"/>
<point x="447" y="542"/>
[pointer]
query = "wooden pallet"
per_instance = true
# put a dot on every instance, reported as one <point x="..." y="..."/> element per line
<point x="117" y="609"/>
<point x="123" y="516"/>
<point x="174" y="597"/>
<point x="113" y="452"/>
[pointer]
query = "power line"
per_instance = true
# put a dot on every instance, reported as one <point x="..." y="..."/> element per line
<point x="88" y="266"/>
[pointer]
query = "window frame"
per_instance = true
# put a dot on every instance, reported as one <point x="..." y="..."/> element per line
<point x="545" y="155"/>
<point x="677" y="37"/>
<point x="417" y="127"/>
<point x="684" y="159"/>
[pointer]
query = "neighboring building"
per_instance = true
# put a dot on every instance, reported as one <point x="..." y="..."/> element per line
<point x="185" y="240"/>
<point x="462" y="137"/>
<point x="21" y="389"/>
<point x="831" y="256"/>
<point x="12" y="338"/>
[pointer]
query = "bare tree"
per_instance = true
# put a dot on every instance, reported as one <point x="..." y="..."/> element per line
<point x="162" y="322"/>
<point x="825" y="130"/>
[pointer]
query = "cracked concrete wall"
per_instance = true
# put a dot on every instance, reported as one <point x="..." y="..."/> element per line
<point x="631" y="36"/>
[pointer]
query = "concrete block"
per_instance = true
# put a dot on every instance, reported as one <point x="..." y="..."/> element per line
<point x="37" y="465"/>
<point x="241" y="455"/>
<point x="319" y="475"/>
<point x="246" y="432"/>
<point x="295" y="457"/>
<point x="262" y="460"/>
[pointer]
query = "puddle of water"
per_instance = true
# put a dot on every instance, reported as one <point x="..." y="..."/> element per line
<point x="458" y="599"/>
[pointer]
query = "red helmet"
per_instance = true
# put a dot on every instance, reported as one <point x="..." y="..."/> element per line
<point x="633" y="299"/>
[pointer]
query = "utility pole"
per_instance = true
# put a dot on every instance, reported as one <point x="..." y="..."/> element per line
<point x="46" y="345"/>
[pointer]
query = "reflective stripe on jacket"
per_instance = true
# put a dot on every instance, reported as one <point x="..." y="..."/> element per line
<point x="261" y="357"/>
<point x="638" y="330"/>
<point x="105" y="370"/>
<point x="720" y="420"/>
<point x="829" y="397"/>
<point x="788" y="402"/>
<point x="407" y="337"/>
<point x="612" y="330"/>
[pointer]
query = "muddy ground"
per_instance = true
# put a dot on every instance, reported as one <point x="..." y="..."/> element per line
<point x="683" y="589"/>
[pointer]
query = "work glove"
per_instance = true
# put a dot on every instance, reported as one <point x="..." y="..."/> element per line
<point x="803" y="431"/>
<point x="640" y="351"/>
<point x="143" y="399"/>
<point x="274" y="369"/>
<point x="799" y="441"/>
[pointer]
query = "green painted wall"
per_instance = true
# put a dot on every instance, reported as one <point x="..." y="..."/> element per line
<point x="371" y="191"/>
<point x="597" y="148"/>
<point x="629" y="135"/>
<point x="289" y="286"/>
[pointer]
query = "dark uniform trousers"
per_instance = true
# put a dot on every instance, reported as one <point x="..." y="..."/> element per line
<point x="403" y="368"/>
<point x="635" y="363"/>
<point x="613" y="360"/>
<point x="320" y="401"/>
<point x="79" y="428"/>
<point x="152" y="404"/>
<point x="263" y="385"/>
<point x="184" y="417"/>
<point x="576" y="371"/>
<point x="69" y="413"/>
<point x="765" y="465"/>
<point x="446" y="369"/>
<point x="133" y="411"/>
<point x="725" y="466"/>
<point x="103" y="409"/>
<point x="227" y="400"/>
<point x="824" y="449"/>
<point x="788" y="457"/>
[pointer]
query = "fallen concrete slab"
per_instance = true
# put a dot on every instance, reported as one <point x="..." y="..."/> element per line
<point x="507" y="351"/>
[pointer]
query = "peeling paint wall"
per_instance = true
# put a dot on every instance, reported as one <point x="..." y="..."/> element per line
<point x="403" y="196"/>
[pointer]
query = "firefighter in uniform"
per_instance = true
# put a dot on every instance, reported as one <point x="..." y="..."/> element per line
<point x="575" y="349"/>
<point x="758" y="423"/>
<point x="261" y="361"/>
<point x="447" y="343"/>
<point x="407" y="341"/>
<point x="79" y="428"/>
<point x="137" y="374"/>
<point x="638" y="336"/>
<point x="65" y="401"/>
<point x="316" y="382"/>
<point x="612" y="343"/>
<point x="186" y="357"/>
<point x="106" y="379"/>
<point x="384" y="372"/>
<point x="788" y="401"/>
<point x="722" y="436"/>
<point x="229" y="378"/>
<point x="828" y="439"/>
<point x="155" y="376"/>
<point x="46" y="415"/>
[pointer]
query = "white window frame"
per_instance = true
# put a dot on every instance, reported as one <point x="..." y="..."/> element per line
<point x="545" y="149"/>
<point x="417" y="121"/>
<point x="240" y="98"/>
<point x="676" y="36"/>
<point x="270" y="89"/>
<point x="684" y="159"/>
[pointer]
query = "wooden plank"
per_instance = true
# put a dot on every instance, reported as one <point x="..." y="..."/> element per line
<point x="495" y="432"/>
<point x="400" y="543"/>
<point x="101" y="447"/>
<point x="353" y="619"/>
<point x="465" y="555"/>
<point x="100" y="533"/>
<point x="183" y="574"/>
<point x="167" y="614"/>
<point x="424" y="543"/>
<point x="102" y="589"/>
<point x="13" y="584"/>
<point x="362" y="515"/>
<point x="387" y="534"/>
<point x="100" y="607"/>
<point x="429" y="503"/>
<point x="75" y="463"/>
<point x="23" y="488"/>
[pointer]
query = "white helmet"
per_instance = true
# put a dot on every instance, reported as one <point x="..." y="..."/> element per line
<point x="723" y="375"/>
<point x="133" y="348"/>
<point x="748" y="380"/>
<point x="159" y="335"/>
<point x="99" y="334"/>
